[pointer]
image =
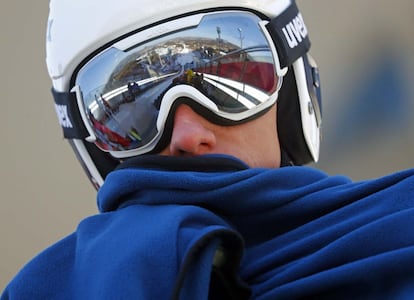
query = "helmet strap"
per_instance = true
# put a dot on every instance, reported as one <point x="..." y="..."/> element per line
<point x="290" y="35"/>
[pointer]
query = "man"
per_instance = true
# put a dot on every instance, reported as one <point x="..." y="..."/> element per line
<point x="207" y="202"/>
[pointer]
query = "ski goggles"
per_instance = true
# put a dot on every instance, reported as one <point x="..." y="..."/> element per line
<point x="223" y="64"/>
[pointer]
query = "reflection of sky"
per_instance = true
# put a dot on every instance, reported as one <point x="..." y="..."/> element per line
<point x="98" y="71"/>
<point x="230" y="27"/>
<point x="233" y="27"/>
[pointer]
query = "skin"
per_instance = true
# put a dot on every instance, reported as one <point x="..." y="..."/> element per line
<point x="255" y="142"/>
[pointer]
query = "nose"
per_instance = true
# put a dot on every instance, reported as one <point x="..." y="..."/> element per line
<point x="190" y="135"/>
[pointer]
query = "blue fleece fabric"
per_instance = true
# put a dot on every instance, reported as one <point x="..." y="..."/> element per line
<point x="301" y="234"/>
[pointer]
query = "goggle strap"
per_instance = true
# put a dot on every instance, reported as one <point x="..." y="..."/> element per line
<point x="69" y="116"/>
<point x="290" y="35"/>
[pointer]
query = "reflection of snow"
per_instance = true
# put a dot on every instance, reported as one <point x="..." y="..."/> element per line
<point x="143" y="111"/>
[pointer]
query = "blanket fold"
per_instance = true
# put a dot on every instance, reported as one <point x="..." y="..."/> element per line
<point x="288" y="233"/>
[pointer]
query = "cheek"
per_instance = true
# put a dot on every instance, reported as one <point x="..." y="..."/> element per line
<point x="261" y="152"/>
<point x="257" y="146"/>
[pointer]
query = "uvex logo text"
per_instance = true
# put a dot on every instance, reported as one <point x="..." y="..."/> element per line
<point x="295" y="31"/>
<point x="62" y="113"/>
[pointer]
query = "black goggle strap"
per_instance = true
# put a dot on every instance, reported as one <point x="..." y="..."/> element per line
<point x="290" y="35"/>
<point x="69" y="116"/>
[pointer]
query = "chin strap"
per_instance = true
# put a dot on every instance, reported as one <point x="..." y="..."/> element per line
<point x="285" y="160"/>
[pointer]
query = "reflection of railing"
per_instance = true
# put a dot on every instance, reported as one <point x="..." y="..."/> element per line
<point x="109" y="95"/>
<point x="245" y="52"/>
<point x="244" y="65"/>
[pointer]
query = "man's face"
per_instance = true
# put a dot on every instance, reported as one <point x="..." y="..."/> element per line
<point x="254" y="142"/>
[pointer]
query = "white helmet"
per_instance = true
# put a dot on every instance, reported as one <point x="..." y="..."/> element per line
<point x="78" y="30"/>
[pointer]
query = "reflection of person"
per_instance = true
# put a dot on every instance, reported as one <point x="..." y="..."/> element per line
<point x="133" y="88"/>
<point x="211" y="206"/>
<point x="190" y="75"/>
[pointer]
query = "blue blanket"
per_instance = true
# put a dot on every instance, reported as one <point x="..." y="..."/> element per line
<point x="286" y="233"/>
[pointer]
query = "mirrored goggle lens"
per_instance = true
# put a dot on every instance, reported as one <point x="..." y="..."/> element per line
<point x="224" y="56"/>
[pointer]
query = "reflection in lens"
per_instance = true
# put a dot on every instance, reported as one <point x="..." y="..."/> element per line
<point x="226" y="57"/>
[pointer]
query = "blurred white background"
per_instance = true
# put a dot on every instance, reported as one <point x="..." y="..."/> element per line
<point x="365" y="52"/>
